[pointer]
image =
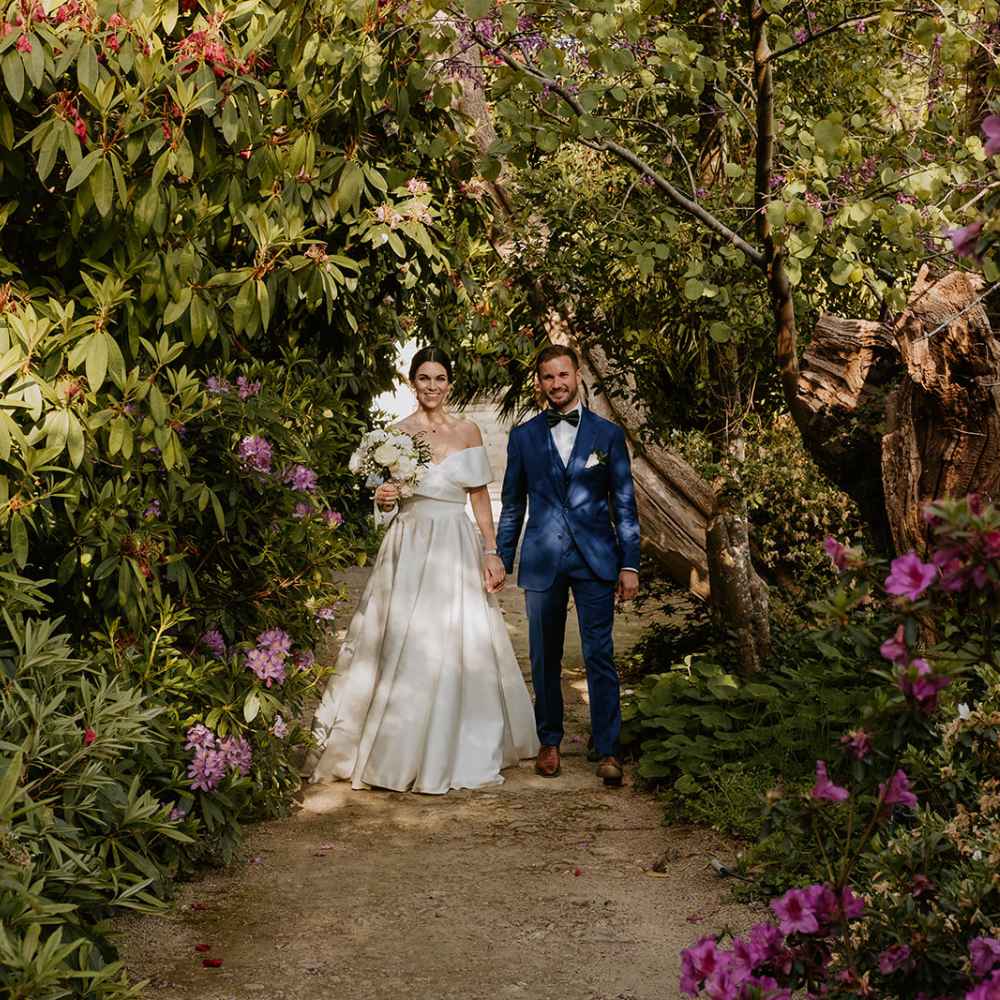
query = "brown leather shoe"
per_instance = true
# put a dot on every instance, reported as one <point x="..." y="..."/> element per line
<point x="547" y="762"/>
<point x="610" y="771"/>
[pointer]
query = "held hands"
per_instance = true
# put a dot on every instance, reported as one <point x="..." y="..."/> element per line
<point x="387" y="496"/>
<point x="628" y="585"/>
<point x="494" y="575"/>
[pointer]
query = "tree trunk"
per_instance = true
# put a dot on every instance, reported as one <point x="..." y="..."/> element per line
<point x="902" y="415"/>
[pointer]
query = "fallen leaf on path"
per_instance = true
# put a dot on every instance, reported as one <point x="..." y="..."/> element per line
<point x="577" y="871"/>
<point x="202" y="947"/>
<point x="327" y="847"/>
<point x="211" y="963"/>
<point x="695" y="918"/>
<point x="200" y="906"/>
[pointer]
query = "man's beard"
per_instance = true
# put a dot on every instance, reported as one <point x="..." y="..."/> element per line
<point x="569" y="402"/>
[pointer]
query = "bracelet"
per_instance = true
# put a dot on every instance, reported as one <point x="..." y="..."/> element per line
<point x="491" y="552"/>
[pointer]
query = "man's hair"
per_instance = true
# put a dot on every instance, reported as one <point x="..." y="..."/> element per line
<point x="552" y="352"/>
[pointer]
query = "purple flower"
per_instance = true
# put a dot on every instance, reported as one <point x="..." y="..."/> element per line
<point x="207" y="769"/>
<point x="237" y="754"/>
<point x="214" y="642"/>
<point x="218" y="386"/>
<point x="857" y="743"/>
<point x="255" y="453"/>
<point x="965" y="238"/>
<point x="305" y="660"/>
<point x="152" y="511"/>
<point x="302" y="510"/>
<point x="247" y="389"/>
<point x="897" y="792"/>
<point x="991" y="129"/>
<point x="851" y="906"/>
<point x="269" y="666"/>
<point x="199" y="737"/>
<point x="699" y="962"/>
<point x="744" y="957"/>
<point x="301" y="478"/>
<point x="178" y="813"/>
<point x="275" y="639"/>
<point x="280" y="727"/>
<point x="984" y="951"/>
<point x="326" y="614"/>
<point x="795" y="913"/>
<point x="333" y="518"/>
<point x="895" y="649"/>
<point x="919" y="683"/>
<point x="825" y="789"/>
<point x="988" y="990"/>
<point x="800" y="35"/>
<point x="838" y="553"/>
<point x="894" y="957"/>
<point x="767" y="942"/>
<point x="909" y="577"/>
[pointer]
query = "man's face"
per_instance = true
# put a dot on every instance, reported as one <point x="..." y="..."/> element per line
<point x="560" y="381"/>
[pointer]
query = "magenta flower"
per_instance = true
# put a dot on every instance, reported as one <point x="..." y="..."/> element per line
<point x="305" y="660"/>
<point x="800" y="35"/>
<point x="279" y="727"/>
<point x="301" y="478"/>
<point x="767" y="942"/>
<point x="988" y="990"/>
<point x="851" y="906"/>
<point x="743" y="958"/>
<point x="334" y="519"/>
<point x="218" y="386"/>
<point x="199" y="736"/>
<point x="268" y="665"/>
<point x="839" y="554"/>
<point x="894" y="957"/>
<point x="825" y="789"/>
<point x="857" y="743"/>
<point x="699" y="962"/>
<point x="909" y="577"/>
<point x="965" y="238"/>
<point x="919" y="683"/>
<point x="951" y="565"/>
<point x="246" y="389"/>
<point x="895" y="649"/>
<point x="897" y="792"/>
<point x="991" y="129"/>
<point x="255" y="453"/>
<point x="302" y="510"/>
<point x="794" y="912"/>
<point x="152" y="511"/>
<point x="984" y="951"/>
<point x="991" y="544"/>
<point x="326" y="614"/>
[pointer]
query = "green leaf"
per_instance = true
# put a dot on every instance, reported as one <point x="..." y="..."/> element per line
<point x="102" y="186"/>
<point x="693" y="288"/>
<point x="476" y="9"/>
<point x="9" y="782"/>
<point x="828" y="135"/>
<point x="251" y="706"/>
<point x="86" y="67"/>
<point x="74" y="441"/>
<point x="84" y="169"/>
<point x="19" y="539"/>
<point x="13" y="74"/>
<point x="349" y="187"/>
<point x="97" y="359"/>
<point x="177" y="308"/>
<point x="720" y="332"/>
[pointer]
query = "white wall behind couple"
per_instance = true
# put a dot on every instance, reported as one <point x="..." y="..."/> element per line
<point x="400" y="402"/>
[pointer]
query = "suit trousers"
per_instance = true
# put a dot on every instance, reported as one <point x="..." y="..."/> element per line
<point x="595" y="610"/>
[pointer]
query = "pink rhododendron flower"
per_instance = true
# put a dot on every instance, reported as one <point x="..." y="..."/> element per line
<point x="991" y="129"/>
<point x="207" y="769"/>
<point x="305" y="660"/>
<point x="237" y="754"/>
<point x="897" y="792"/>
<point x="909" y="577"/>
<point x="245" y="389"/>
<point x="857" y="743"/>
<point x="214" y="642"/>
<point x="851" y="906"/>
<point x="279" y="727"/>
<point x="256" y="453"/>
<point x="23" y="44"/>
<point x="301" y="478"/>
<point x="894" y="957"/>
<point x="839" y="554"/>
<point x="991" y="544"/>
<point x="275" y="639"/>
<point x="698" y="962"/>
<point x="767" y="942"/>
<point x="199" y="736"/>
<point x="988" y="990"/>
<point x="302" y="510"/>
<point x="795" y="913"/>
<point x="333" y="518"/>
<point x="895" y="649"/>
<point x="984" y="951"/>
<point x="919" y="683"/>
<point x="268" y="665"/>
<point x="825" y="789"/>
<point x="951" y="565"/>
<point x="965" y="238"/>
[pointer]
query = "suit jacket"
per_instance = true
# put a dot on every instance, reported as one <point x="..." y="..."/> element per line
<point x="594" y="506"/>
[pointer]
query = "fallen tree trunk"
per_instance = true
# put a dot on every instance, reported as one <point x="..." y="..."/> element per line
<point x="902" y="415"/>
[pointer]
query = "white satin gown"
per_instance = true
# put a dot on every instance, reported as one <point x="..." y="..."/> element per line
<point x="428" y="695"/>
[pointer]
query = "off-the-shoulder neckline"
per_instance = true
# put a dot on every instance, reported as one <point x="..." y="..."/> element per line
<point x="461" y="451"/>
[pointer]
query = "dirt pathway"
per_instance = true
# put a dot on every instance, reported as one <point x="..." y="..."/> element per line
<point x="537" y="889"/>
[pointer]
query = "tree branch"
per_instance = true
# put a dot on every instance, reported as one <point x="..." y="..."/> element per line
<point x="829" y="29"/>
<point x="624" y="154"/>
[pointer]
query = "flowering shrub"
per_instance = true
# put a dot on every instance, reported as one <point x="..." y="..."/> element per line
<point x="905" y="819"/>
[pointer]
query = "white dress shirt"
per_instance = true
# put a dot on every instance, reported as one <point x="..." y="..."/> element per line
<point x="564" y="437"/>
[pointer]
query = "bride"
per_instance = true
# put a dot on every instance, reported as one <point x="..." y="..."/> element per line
<point x="428" y="695"/>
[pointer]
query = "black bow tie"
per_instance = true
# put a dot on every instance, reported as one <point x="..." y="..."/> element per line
<point x="554" y="416"/>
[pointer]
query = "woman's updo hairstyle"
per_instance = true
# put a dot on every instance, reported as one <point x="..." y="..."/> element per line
<point x="433" y="354"/>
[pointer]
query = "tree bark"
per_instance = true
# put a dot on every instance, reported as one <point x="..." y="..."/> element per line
<point x="902" y="415"/>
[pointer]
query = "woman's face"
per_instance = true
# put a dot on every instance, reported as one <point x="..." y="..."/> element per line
<point x="431" y="385"/>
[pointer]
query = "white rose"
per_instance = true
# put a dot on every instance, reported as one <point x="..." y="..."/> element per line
<point x="404" y="441"/>
<point x="357" y="459"/>
<point x="406" y="490"/>
<point x="404" y="468"/>
<point x="386" y="454"/>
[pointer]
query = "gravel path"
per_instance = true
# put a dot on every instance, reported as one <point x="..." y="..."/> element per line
<point x="536" y="889"/>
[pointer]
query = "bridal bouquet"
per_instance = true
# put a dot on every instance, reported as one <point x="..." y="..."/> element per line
<point x="391" y="456"/>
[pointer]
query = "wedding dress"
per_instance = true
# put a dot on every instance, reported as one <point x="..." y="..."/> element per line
<point x="428" y="695"/>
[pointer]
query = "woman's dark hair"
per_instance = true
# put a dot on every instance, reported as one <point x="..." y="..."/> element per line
<point x="426" y="354"/>
<point x="554" y="351"/>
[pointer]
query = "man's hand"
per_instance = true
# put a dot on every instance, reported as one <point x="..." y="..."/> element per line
<point x="494" y="575"/>
<point x="628" y="585"/>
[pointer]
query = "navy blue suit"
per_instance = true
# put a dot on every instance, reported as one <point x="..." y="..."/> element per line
<point x="582" y="529"/>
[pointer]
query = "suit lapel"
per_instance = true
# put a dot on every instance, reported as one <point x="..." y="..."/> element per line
<point x="583" y="445"/>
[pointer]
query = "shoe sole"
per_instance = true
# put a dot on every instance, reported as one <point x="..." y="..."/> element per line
<point x="548" y="774"/>
<point x="613" y="782"/>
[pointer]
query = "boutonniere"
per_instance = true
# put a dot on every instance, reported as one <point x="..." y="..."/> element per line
<point x="597" y="458"/>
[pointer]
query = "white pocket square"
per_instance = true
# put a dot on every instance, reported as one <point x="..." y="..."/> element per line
<point x="594" y="459"/>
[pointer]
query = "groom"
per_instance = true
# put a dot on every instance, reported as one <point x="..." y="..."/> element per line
<point x="582" y="535"/>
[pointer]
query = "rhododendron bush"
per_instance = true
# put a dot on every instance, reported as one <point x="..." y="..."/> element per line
<point x="903" y="818"/>
<point x="210" y="214"/>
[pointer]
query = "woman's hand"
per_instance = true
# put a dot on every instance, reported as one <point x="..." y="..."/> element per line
<point x="387" y="496"/>
<point x="494" y="575"/>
